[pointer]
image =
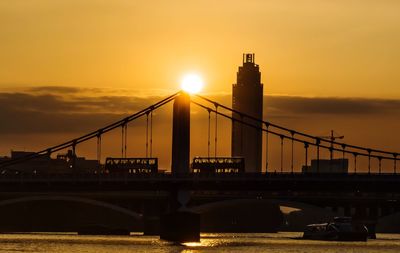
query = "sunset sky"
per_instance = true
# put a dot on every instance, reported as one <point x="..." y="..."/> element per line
<point x="325" y="64"/>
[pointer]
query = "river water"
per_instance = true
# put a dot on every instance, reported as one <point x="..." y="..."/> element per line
<point x="243" y="243"/>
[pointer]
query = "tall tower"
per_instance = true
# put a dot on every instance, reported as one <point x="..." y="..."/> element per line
<point x="247" y="97"/>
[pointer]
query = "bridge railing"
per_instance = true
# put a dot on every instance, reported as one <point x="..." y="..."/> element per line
<point x="167" y="177"/>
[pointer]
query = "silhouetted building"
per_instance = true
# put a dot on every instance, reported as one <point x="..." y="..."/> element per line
<point x="247" y="97"/>
<point x="46" y="165"/>
<point x="327" y="166"/>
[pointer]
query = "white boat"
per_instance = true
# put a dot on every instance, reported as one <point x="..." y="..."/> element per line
<point x="340" y="229"/>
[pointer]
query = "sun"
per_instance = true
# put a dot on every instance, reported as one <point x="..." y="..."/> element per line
<point x="192" y="83"/>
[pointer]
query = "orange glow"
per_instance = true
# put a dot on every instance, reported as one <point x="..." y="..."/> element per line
<point x="143" y="45"/>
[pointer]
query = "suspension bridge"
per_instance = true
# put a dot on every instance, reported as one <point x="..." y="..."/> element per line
<point x="284" y="134"/>
<point x="369" y="191"/>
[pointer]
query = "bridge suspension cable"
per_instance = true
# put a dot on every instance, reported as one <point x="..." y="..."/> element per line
<point x="317" y="143"/>
<point x="72" y="143"/>
<point x="266" y="126"/>
<point x="303" y="134"/>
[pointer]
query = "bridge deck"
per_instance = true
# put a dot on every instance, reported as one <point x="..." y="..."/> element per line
<point x="364" y="183"/>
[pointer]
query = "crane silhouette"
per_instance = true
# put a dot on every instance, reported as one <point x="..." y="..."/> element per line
<point x="332" y="138"/>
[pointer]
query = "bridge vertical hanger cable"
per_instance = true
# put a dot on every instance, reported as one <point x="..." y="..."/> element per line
<point x="369" y="161"/>
<point x="147" y="134"/>
<point x="122" y="140"/>
<point x="394" y="163"/>
<point x="343" y="155"/>
<point x="330" y="156"/>
<point x="355" y="162"/>
<point x="151" y="133"/>
<point x="73" y="154"/>
<point x="380" y="164"/>
<point x="318" y="141"/>
<point x="126" y="139"/>
<point x="216" y="129"/>
<point x="99" y="149"/>
<point x="209" y="133"/>
<point x="266" y="147"/>
<point x="292" y="154"/>
<point x="241" y="134"/>
<point x="282" y="153"/>
<point x="306" y="151"/>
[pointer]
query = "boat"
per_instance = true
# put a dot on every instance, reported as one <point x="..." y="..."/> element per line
<point x="339" y="229"/>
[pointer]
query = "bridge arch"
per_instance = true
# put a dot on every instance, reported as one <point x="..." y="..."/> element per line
<point x="72" y="199"/>
<point x="58" y="213"/>
<point x="389" y="223"/>
<point x="286" y="203"/>
<point x="272" y="214"/>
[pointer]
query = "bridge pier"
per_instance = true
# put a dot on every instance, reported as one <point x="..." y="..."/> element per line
<point x="180" y="224"/>
<point x="181" y="135"/>
<point x="151" y="225"/>
<point x="371" y="226"/>
<point x="152" y="211"/>
<point x="363" y="215"/>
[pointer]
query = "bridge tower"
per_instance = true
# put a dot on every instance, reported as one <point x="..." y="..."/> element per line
<point x="247" y="97"/>
<point x="181" y="135"/>
<point x="180" y="225"/>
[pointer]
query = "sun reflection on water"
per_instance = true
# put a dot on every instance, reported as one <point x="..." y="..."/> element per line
<point x="192" y="247"/>
<point x="192" y="244"/>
